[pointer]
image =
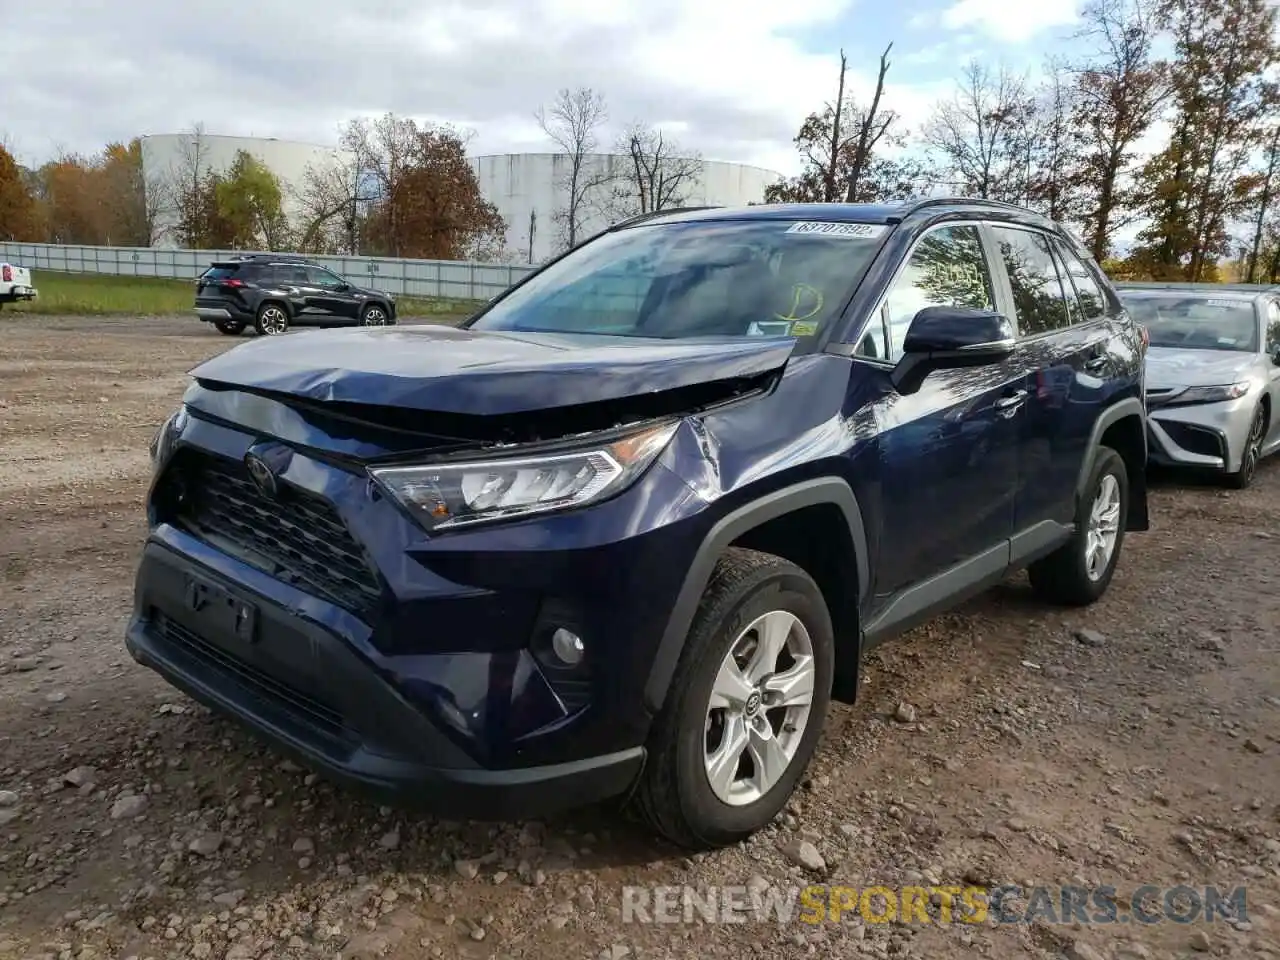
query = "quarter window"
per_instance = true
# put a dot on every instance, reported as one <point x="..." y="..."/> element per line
<point x="1088" y="293"/>
<point x="1039" y="299"/>
<point x="946" y="269"/>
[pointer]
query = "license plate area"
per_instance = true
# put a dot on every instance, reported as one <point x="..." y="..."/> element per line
<point x="218" y="613"/>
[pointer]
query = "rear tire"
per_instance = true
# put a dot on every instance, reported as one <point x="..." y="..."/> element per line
<point x="720" y="767"/>
<point x="1252" y="454"/>
<point x="272" y="320"/>
<point x="1079" y="572"/>
<point x="230" y="328"/>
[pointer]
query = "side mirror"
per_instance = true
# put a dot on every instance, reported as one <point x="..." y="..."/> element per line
<point x="342" y="287"/>
<point x="945" y="338"/>
<point x="1275" y="356"/>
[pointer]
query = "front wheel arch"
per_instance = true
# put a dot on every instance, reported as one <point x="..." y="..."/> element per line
<point x="737" y="527"/>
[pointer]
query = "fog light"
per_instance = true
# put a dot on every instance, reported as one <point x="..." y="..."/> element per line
<point x="567" y="646"/>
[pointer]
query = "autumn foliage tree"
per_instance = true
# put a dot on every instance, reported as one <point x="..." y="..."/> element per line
<point x="19" y="216"/>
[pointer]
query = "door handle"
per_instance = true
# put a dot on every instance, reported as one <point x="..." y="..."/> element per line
<point x="1096" y="365"/>
<point x="1007" y="406"/>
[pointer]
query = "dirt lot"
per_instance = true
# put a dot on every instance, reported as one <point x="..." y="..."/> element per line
<point x="1137" y="742"/>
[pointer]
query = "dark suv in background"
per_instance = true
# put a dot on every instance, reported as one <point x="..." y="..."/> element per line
<point x="633" y="526"/>
<point x="272" y="293"/>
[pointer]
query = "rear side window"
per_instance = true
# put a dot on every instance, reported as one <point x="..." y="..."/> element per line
<point x="1039" y="298"/>
<point x="1092" y="304"/>
<point x="220" y="273"/>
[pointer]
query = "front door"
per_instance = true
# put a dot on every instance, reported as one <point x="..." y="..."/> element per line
<point x="329" y="295"/>
<point x="949" y="457"/>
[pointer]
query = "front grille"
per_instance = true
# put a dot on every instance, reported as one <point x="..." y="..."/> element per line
<point x="315" y="713"/>
<point x="296" y="536"/>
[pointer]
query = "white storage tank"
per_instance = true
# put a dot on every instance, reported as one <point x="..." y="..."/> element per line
<point x="528" y="190"/>
<point x="165" y="155"/>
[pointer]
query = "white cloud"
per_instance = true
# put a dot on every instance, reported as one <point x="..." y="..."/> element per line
<point x="723" y="73"/>
<point x="1010" y="22"/>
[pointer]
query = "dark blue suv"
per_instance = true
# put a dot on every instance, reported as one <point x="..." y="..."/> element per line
<point x="629" y="529"/>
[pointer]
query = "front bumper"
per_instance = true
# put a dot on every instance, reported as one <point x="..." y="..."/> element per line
<point x="307" y="691"/>
<point x="1208" y="436"/>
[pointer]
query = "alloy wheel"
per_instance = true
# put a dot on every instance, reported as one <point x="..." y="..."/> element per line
<point x="1252" y="447"/>
<point x="274" y="321"/>
<point x="759" y="708"/>
<point x="1104" y="527"/>
<point x="374" y="317"/>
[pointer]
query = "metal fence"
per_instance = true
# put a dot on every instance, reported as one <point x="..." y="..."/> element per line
<point x="452" y="279"/>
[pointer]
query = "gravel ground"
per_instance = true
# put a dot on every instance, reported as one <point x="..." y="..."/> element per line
<point x="1137" y="742"/>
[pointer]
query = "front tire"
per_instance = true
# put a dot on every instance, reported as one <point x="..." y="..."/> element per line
<point x="1079" y="572"/>
<point x="747" y="707"/>
<point x="1252" y="453"/>
<point x="272" y="320"/>
<point x="374" y="315"/>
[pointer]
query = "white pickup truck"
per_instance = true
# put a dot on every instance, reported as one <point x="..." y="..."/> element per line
<point x="15" y="284"/>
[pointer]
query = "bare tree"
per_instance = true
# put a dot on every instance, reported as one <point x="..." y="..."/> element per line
<point x="980" y="132"/>
<point x="331" y="198"/>
<point x="660" y="174"/>
<point x="573" y="123"/>
<point x="184" y="188"/>
<point x="872" y="124"/>
<point x="383" y="152"/>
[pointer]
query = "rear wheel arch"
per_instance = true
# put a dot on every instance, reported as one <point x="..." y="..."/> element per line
<point x="794" y="523"/>
<point x="1122" y="427"/>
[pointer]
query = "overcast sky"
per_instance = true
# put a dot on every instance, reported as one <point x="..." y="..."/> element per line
<point x="729" y="78"/>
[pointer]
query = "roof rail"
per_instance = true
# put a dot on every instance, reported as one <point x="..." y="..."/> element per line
<point x="916" y="205"/>
<point x="650" y="214"/>
<point x="1201" y="285"/>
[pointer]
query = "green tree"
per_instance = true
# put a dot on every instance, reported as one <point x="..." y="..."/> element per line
<point x="249" y="202"/>
<point x="1197" y="185"/>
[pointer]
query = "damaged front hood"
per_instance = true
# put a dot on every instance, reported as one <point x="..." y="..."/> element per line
<point x="446" y="370"/>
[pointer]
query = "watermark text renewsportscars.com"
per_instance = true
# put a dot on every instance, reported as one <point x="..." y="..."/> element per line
<point x="828" y="903"/>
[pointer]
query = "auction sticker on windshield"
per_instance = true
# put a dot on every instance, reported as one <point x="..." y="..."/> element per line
<point x="856" y="231"/>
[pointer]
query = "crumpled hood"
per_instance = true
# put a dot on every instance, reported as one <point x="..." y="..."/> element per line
<point x="1176" y="367"/>
<point x="444" y="369"/>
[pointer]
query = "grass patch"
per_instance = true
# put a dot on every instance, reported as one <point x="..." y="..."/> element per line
<point x="94" y="294"/>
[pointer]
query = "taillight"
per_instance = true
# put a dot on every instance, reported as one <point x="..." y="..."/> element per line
<point x="233" y="283"/>
<point x="7" y="274"/>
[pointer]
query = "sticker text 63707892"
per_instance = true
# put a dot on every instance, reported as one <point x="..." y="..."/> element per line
<point x="854" y="231"/>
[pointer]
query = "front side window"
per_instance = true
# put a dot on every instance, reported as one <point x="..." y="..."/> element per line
<point x="1273" y="327"/>
<point x="1039" y="299"/>
<point x="947" y="268"/>
<point x="1196" y="321"/>
<point x="707" y="278"/>
<point x="319" y="277"/>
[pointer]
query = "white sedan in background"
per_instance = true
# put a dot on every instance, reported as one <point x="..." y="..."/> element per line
<point x="1213" y="373"/>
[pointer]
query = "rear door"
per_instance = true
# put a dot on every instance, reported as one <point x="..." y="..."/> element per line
<point x="1271" y="344"/>
<point x="1064" y="342"/>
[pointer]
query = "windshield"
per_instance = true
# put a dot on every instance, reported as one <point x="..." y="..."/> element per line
<point x="756" y="278"/>
<point x="1201" y="322"/>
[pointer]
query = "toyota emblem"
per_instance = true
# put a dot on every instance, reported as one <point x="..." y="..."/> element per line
<point x="261" y="474"/>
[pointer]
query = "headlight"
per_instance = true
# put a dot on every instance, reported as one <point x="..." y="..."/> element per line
<point x="448" y="494"/>
<point x="1231" y="391"/>
<point x="164" y="438"/>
